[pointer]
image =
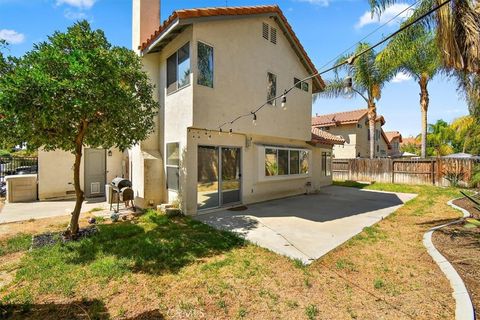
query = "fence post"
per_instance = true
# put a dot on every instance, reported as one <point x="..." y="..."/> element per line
<point x="393" y="170"/>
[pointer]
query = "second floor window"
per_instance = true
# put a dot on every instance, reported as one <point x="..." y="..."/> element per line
<point x="205" y="65"/>
<point x="271" y="88"/>
<point x="178" y="69"/>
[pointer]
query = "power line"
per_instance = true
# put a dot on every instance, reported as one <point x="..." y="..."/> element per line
<point x="371" y="33"/>
<point x="348" y="61"/>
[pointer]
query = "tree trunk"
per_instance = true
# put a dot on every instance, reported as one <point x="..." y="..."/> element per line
<point x="372" y="116"/>
<point x="424" y="101"/>
<point x="73" y="227"/>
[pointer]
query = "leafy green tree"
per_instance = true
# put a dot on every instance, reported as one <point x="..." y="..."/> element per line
<point x="466" y="135"/>
<point x="369" y="76"/>
<point x="76" y="90"/>
<point x="457" y="26"/>
<point x="415" y="52"/>
<point x="439" y="139"/>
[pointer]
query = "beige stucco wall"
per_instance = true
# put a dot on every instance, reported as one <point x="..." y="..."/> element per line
<point x="349" y="133"/>
<point x="255" y="187"/>
<point x="55" y="172"/>
<point x="242" y="58"/>
<point x="240" y="84"/>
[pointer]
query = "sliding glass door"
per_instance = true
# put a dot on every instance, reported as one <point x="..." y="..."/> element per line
<point x="219" y="176"/>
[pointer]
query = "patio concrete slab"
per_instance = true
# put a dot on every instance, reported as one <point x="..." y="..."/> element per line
<point x="15" y="212"/>
<point x="307" y="227"/>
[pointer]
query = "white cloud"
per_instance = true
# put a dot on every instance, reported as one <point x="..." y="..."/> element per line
<point x="388" y="14"/>
<point x="401" y="77"/>
<point x="73" y="15"/>
<point x="12" y="36"/>
<point x="323" y="3"/>
<point x="82" y="4"/>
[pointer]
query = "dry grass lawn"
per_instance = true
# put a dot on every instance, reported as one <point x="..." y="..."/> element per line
<point x="180" y="269"/>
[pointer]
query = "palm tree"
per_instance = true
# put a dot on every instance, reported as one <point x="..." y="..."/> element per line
<point x="458" y="30"/>
<point x="440" y="136"/>
<point x="463" y="130"/>
<point x="368" y="77"/>
<point x="415" y="53"/>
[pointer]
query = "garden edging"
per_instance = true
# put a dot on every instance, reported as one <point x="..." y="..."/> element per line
<point x="464" y="306"/>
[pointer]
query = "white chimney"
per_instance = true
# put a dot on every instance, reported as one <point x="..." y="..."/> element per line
<point x="145" y="20"/>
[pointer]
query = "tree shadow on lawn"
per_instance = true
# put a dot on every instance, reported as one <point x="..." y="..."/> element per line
<point x="155" y="245"/>
<point x="85" y="309"/>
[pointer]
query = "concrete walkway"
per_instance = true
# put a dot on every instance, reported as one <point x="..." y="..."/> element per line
<point x="14" y="212"/>
<point x="307" y="227"/>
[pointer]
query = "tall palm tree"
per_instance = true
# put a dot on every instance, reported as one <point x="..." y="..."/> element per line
<point x="368" y="77"/>
<point x="414" y="52"/>
<point x="463" y="130"/>
<point x="458" y="29"/>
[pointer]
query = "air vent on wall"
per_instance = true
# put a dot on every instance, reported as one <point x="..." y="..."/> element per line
<point x="273" y="35"/>
<point x="265" y="31"/>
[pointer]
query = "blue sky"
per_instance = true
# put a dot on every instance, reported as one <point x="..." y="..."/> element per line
<point x="325" y="28"/>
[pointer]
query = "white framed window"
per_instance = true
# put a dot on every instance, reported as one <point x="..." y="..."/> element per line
<point x="271" y="88"/>
<point x="205" y="64"/>
<point x="280" y="161"/>
<point x="173" y="166"/>
<point x="327" y="163"/>
<point x="178" y="69"/>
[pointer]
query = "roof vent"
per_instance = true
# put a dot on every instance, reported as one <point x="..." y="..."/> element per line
<point x="265" y="31"/>
<point x="273" y="35"/>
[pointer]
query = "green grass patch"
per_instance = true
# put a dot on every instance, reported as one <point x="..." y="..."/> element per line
<point x="311" y="311"/>
<point x="20" y="242"/>
<point x="370" y="234"/>
<point x="156" y="244"/>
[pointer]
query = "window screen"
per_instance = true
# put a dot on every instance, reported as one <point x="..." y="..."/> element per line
<point x="173" y="175"/>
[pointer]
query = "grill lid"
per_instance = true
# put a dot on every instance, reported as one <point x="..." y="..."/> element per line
<point x="121" y="183"/>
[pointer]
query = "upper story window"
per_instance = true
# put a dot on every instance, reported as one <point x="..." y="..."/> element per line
<point x="205" y="65"/>
<point x="300" y="85"/>
<point x="271" y="88"/>
<point x="178" y="69"/>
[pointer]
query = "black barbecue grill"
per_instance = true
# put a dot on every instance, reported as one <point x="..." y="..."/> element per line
<point x="122" y="188"/>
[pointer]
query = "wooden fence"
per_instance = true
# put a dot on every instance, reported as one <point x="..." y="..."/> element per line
<point x="440" y="172"/>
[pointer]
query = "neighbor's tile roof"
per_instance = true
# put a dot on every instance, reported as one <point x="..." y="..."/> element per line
<point x="393" y="134"/>
<point x="235" y="11"/>
<point x="346" y="117"/>
<point x="411" y="140"/>
<point x="322" y="136"/>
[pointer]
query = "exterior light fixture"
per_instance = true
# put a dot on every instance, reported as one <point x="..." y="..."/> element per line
<point x="254" y="121"/>
<point x="230" y="132"/>
<point x="284" y="100"/>
<point x="110" y="153"/>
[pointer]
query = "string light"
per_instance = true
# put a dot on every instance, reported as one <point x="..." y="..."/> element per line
<point x="284" y="100"/>
<point x="350" y="60"/>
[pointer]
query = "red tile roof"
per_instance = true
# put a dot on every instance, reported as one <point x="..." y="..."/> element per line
<point x="347" y="117"/>
<point x="237" y="11"/>
<point x="392" y="135"/>
<point x="411" y="140"/>
<point x="324" y="137"/>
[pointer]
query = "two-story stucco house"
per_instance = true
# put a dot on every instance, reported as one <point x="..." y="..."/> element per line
<point x="210" y="66"/>
<point x="352" y="126"/>
<point x="395" y="139"/>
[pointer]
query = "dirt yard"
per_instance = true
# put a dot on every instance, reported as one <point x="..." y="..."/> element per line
<point x="461" y="246"/>
<point x="181" y="269"/>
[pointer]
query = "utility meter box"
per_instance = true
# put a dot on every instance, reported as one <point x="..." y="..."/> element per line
<point x="21" y="188"/>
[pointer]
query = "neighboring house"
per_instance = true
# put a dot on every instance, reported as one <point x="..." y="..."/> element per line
<point x="395" y="139"/>
<point x="352" y="126"/>
<point x="210" y="66"/>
